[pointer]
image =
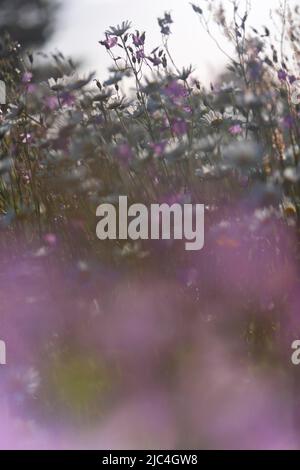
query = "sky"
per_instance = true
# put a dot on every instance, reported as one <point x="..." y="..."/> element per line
<point x="81" y="24"/>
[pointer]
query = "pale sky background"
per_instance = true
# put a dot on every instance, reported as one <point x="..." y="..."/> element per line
<point x="81" y="24"/>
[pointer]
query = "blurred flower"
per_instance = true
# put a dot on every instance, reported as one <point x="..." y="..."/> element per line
<point x="124" y="153"/>
<point x="175" y="92"/>
<point x="155" y="60"/>
<point x="236" y="129"/>
<point x="50" y="238"/>
<point x="67" y="99"/>
<point x="179" y="126"/>
<point x="138" y="40"/>
<point x="282" y="75"/>
<point x="158" y="148"/>
<point x="109" y="42"/>
<point x="288" y="121"/>
<point x="51" y="102"/>
<point x="164" y="24"/>
<point x="140" y="54"/>
<point x="212" y="118"/>
<point x="255" y="69"/>
<point x="292" y="79"/>
<point x="27" y="77"/>
<point x="119" y="30"/>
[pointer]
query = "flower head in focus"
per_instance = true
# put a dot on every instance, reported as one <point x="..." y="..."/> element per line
<point x="119" y="30"/>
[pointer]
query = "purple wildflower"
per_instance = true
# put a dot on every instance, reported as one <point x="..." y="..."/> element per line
<point x="140" y="54"/>
<point x="26" y="77"/>
<point x="138" y="40"/>
<point x="288" y="121"/>
<point x="236" y="129"/>
<point x="179" y="126"/>
<point x="158" y="148"/>
<point x="282" y="75"/>
<point x="124" y="153"/>
<point x="67" y="99"/>
<point x="187" y="109"/>
<point x="26" y="80"/>
<point x="50" y="239"/>
<point x="164" y="24"/>
<point x="51" y="102"/>
<point x="110" y="42"/>
<point x="175" y="90"/>
<point x="155" y="60"/>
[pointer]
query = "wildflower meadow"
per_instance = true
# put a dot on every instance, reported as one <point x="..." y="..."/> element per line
<point x="125" y="343"/>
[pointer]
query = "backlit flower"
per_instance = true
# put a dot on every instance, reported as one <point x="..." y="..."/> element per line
<point x="109" y="42"/>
